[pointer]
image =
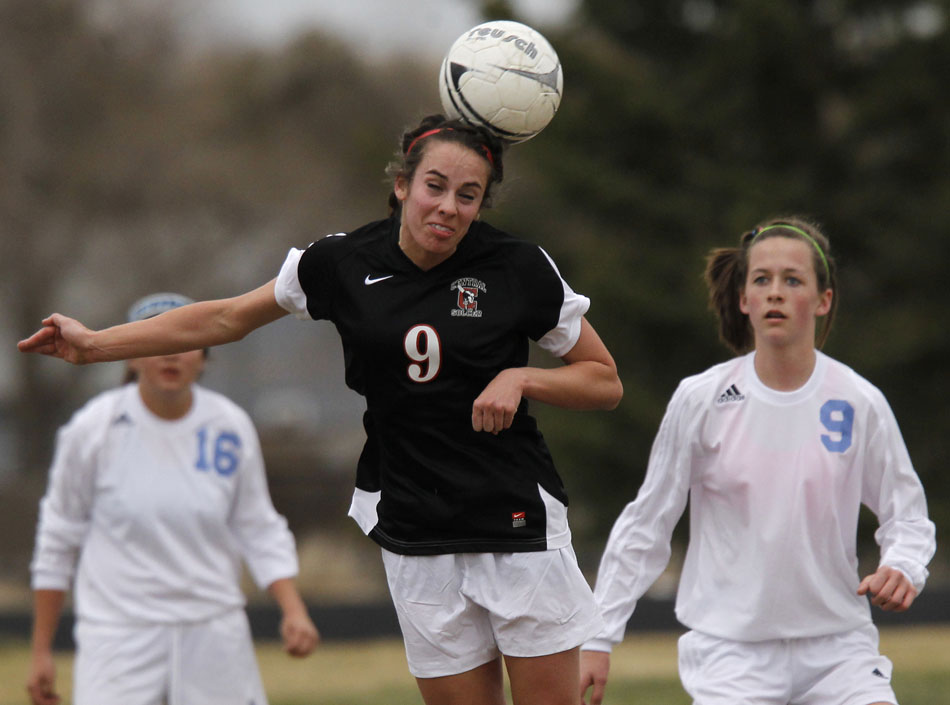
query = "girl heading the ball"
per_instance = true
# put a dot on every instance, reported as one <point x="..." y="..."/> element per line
<point x="776" y="450"/>
<point x="435" y="309"/>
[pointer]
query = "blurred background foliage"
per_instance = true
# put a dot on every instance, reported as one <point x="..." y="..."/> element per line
<point x="129" y="164"/>
<point x="686" y="123"/>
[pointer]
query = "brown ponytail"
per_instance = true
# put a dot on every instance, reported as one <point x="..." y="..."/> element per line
<point x="725" y="277"/>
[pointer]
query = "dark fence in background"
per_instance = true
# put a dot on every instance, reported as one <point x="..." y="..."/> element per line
<point x="353" y="622"/>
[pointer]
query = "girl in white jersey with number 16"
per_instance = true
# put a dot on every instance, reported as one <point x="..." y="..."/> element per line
<point x="776" y="450"/>
<point x="157" y="493"/>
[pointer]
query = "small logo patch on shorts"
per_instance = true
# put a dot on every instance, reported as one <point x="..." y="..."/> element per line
<point x="517" y="519"/>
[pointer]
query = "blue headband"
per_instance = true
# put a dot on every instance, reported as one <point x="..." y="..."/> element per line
<point x="155" y="304"/>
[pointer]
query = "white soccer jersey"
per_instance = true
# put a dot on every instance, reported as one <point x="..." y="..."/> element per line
<point x="775" y="481"/>
<point x="159" y="513"/>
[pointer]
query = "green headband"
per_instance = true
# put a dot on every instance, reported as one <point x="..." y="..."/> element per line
<point x="793" y="228"/>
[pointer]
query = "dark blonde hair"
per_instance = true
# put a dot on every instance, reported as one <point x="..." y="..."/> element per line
<point x="727" y="268"/>
<point x="413" y="143"/>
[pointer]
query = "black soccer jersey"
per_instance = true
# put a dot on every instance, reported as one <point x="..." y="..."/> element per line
<point x="420" y="346"/>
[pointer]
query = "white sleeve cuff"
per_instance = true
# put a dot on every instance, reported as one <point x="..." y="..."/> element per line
<point x="287" y="290"/>
<point x="46" y="580"/>
<point x="598" y="645"/>
<point x="560" y="339"/>
<point x="917" y="574"/>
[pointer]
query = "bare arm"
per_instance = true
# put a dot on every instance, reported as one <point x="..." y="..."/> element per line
<point x="298" y="632"/>
<point x="199" y="325"/>
<point x="589" y="380"/>
<point x="41" y="683"/>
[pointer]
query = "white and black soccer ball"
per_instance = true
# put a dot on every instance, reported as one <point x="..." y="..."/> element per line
<point x="504" y="76"/>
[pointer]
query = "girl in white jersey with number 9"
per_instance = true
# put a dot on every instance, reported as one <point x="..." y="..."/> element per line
<point x="776" y="449"/>
<point x="435" y="310"/>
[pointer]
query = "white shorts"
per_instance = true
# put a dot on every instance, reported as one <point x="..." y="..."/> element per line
<point x="840" y="669"/>
<point x="210" y="662"/>
<point x="460" y="610"/>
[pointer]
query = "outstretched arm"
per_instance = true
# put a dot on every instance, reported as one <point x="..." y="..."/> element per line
<point x="199" y="325"/>
<point x="589" y="380"/>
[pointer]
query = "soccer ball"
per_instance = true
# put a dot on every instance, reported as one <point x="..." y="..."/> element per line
<point x="504" y="76"/>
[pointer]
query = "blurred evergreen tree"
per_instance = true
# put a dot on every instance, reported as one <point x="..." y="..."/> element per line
<point x="684" y="123"/>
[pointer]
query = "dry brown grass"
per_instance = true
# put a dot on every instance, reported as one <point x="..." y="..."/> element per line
<point x="349" y="669"/>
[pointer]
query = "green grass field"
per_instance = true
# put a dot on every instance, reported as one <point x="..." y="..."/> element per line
<point x="643" y="670"/>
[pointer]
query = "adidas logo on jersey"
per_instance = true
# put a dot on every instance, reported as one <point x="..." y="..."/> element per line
<point x="122" y="418"/>
<point x="731" y="394"/>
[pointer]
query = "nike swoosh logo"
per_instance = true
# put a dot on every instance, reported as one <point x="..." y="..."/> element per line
<point x="548" y="79"/>
<point x="374" y="280"/>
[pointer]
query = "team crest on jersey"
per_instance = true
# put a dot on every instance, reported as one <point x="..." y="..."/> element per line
<point x="466" y="303"/>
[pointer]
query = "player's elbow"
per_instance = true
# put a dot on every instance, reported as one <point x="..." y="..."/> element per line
<point x="609" y="388"/>
<point x="613" y="394"/>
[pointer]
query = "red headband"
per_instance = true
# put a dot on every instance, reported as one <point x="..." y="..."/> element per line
<point x="429" y="133"/>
